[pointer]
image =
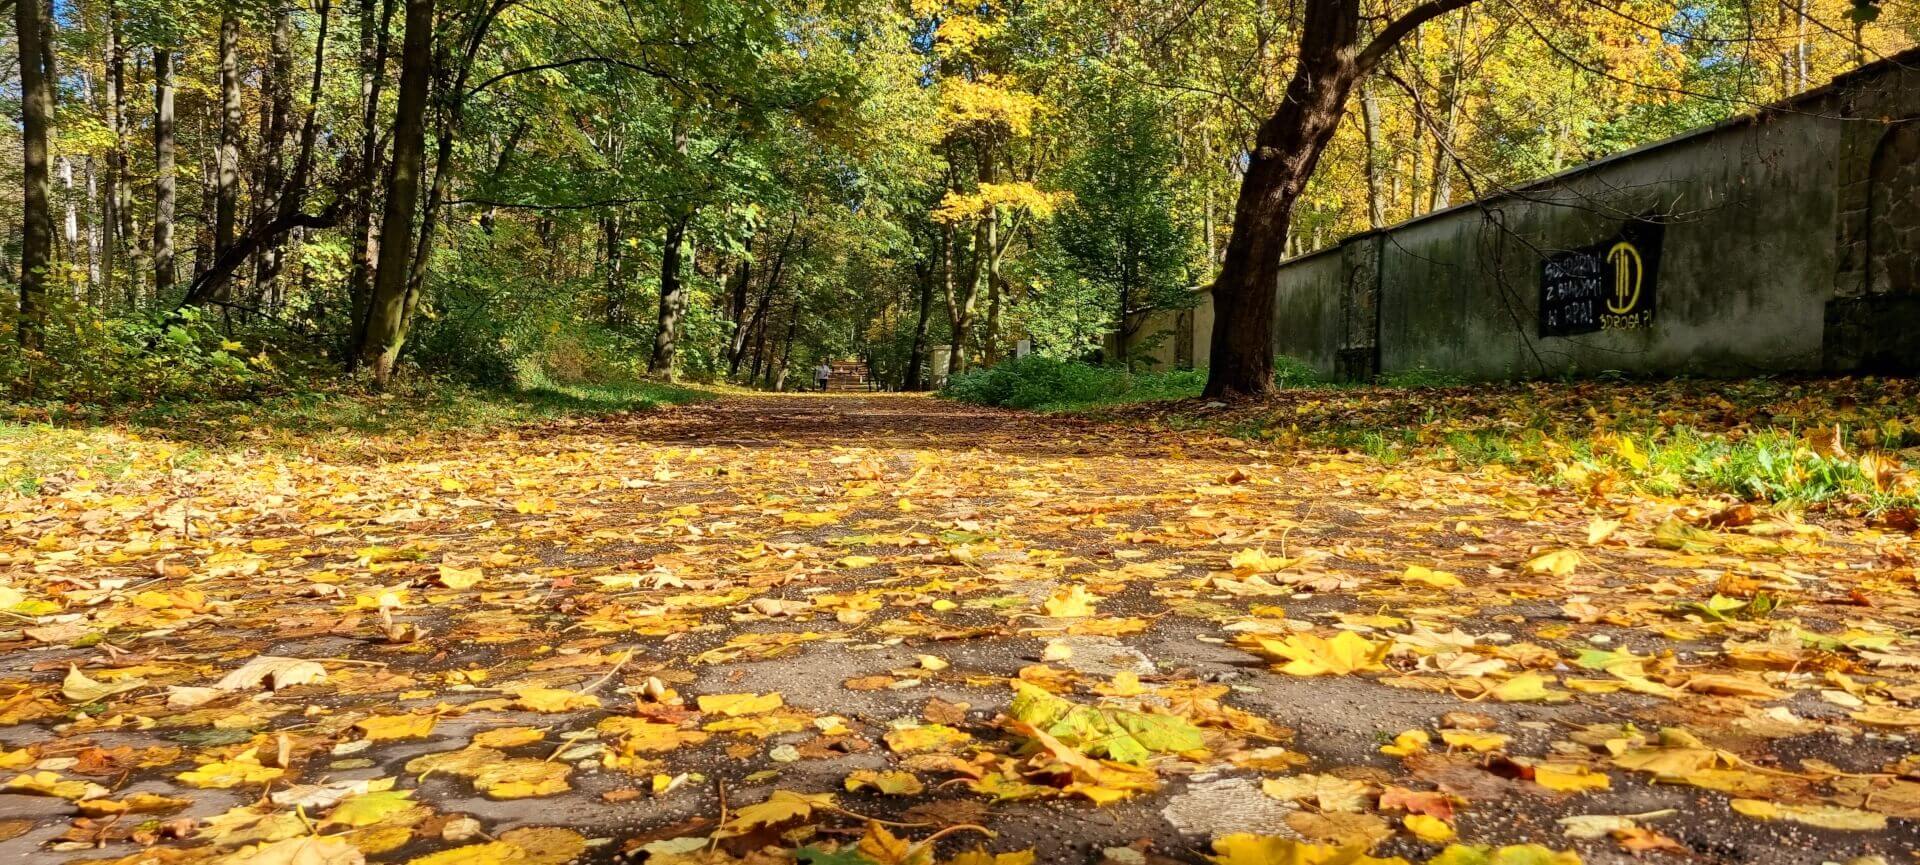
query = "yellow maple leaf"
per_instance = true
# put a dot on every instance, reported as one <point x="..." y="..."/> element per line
<point x="1527" y="688"/>
<point x="51" y="784"/>
<point x="810" y="519"/>
<point x="1068" y="602"/>
<point x="368" y="809"/>
<point x="1570" y="777"/>
<point x="508" y="737"/>
<point x="735" y="705"/>
<point x="1249" y="849"/>
<point x="1823" y="816"/>
<point x="244" y="768"/>
<point x="888" y="783"/>
<point x="1559" y="563"/>
<point x="1408" y="744"/>
<point x="383" y="727"/>
<point x="639" y="734"/>
<point x="1425" y="576"/>
<point x="522" y="778"/>
<point x="553" y="700"/>
<point x="1258" y="561"/>
<point x="782" y="806"/>
<point x="1474" y="740"/>
<point x="1309" y="655"/>
<point x="1428" y="828"/>
<point x="460" y="578"/>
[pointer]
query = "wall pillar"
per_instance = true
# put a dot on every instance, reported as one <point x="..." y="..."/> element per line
<point x="1358" y="358"/>
<point x="1876" y="289"/>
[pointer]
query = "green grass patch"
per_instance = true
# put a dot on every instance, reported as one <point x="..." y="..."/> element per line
<point x="1842" y="444"/>
<point x="1045" y="384"/>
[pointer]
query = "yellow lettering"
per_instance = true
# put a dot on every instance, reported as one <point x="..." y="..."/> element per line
<point x="1628" y="271"/>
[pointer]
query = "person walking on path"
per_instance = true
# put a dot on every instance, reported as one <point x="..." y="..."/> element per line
<point x="822" y="373"/>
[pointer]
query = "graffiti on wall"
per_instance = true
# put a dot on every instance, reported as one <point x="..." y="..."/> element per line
<point x="1610" y="285"/>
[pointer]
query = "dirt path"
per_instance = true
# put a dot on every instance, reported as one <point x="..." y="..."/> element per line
<point x="519" y="630"/>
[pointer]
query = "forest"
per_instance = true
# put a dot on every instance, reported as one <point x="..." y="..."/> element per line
<point x="236" y="198"/>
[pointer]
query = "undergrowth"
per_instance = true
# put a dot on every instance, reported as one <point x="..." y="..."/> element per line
<point x="1035" y="382"/>
<point x="1840" y="444"/>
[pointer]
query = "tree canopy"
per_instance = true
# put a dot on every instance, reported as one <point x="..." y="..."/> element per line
<point x="213" y="196"/>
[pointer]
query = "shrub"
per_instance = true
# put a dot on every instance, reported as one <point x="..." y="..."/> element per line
<point x="105" y="360"/>
<point x="1036" y="382"/>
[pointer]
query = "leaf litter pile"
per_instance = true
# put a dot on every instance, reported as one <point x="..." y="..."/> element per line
<point x="858" y="630"/>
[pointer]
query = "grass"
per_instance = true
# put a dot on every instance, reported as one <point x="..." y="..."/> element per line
<point x="1838" y="444"/>
<point x="1045" y="384"/>
<point x="81" y="443"/>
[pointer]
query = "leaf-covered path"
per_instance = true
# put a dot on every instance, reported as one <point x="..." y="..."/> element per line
<point x="743" y="628"/>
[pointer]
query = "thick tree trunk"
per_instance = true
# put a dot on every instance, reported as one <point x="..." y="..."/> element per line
<point x="673" y="298"/>
<point x="165" y="173"/>
<point x="36" y="115"/>
<point x="1286" y="150"/>
<point x="387" y="319"/>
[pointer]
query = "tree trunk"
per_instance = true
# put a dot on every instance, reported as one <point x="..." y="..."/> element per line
<point x="739" y="348"/>
<point x="616" y="276"/>
<point x="70" y="215"/>
<point x="110" y="181"/>
<point x="273" y="164"/>
<point x="364" y="234"/>
<point x="36" y="115"/>
<point x="1286" y="150"/>
<point x="960" y="307"/>
<point x="739" y="285"/>
<point x="226" y="181"/>
<point x="996" y="286"/>
<point x="910" y="380"/>
<point x="1449" y="122"/>
<point x="1370" y="128"/>
<point x="387" y="319"/>
<point x="673" y="298"/>
<point x="500" y="171"/>
<point x="165" y="174"/>
<point x="779" y="381"/>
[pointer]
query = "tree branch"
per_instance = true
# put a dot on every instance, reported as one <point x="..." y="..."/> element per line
<point x="1402" y="27"/>
<point x="204" y="286"/>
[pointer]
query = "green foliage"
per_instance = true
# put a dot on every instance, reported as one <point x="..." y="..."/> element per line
<point x="1037" y="382"/>
<point x="1769" y="465"/>
<point x="1294" y="372"/>
<point x="92" y="358"/>
<point x="1119" y="232"/>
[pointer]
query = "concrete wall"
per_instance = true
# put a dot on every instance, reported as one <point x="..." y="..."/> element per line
<point x="1789" y="243"/>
